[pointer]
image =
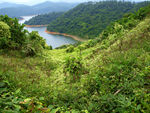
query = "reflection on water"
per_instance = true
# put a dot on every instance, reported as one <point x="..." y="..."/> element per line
<point x="53" y="40"/>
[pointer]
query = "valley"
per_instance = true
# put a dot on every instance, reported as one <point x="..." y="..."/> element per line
<point x="108" y="71"/>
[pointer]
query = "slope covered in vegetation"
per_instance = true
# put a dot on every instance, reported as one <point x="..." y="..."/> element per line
<point x="89" y="19"/>
<point x="44" y="19"/>
<point x="107" y="74"/>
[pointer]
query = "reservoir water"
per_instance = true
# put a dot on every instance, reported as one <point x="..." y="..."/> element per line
<point x="53" y="40"/>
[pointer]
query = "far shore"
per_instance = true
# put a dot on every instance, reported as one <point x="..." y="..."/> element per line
<point x="67" y="35"/>
<point x="36" y="25"/>
<point x="57" y="33"/>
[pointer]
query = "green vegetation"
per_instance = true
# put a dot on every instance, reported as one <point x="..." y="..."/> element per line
<point x="44" y="19"/>
<point x="13" y="36"/>
<point x="88" y="20"/>
<point x="107" y="74"/>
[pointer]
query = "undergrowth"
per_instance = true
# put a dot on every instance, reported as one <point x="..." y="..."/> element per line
<point x="99" y="76"/>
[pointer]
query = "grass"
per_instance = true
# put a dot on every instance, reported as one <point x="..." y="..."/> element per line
<point x="112" y="75"/>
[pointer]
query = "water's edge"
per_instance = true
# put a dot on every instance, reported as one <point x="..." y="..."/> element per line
<point x="67" y="35"/>
<point x="51" y="39"/>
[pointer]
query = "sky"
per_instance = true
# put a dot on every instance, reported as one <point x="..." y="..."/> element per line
<point x="31" y="2"/>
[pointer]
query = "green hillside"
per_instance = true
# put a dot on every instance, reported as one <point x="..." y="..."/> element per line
<point x="89" y="19"/>
<point x="108" y="74"/>
<point x="44" y="19"/>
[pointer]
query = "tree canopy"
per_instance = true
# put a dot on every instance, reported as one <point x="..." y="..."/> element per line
<point x="88" y="20"/>
<point x="13" y="36"/>
<point x="44" y="19"/>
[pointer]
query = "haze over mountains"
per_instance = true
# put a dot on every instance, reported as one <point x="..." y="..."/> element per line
<point x="16" y="10"/>
<point x="7" y="4"/>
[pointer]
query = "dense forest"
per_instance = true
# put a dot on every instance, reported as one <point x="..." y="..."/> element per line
<point x="110" y="73"/>
<point x="44" y="19"/>
<point x="42" y="8"/>
<point x="89" y="19"/>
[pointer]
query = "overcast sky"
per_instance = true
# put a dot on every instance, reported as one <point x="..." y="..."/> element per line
<point x="31" y="2"/>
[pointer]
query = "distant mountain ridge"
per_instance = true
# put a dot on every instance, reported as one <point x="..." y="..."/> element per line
<point x="16" y="10"/>
<point x="47" y="7"/>
<point x="7" y="5"/>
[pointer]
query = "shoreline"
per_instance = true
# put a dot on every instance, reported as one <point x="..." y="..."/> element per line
<point x="67" y="35"/>
<point x="35" y="26"/>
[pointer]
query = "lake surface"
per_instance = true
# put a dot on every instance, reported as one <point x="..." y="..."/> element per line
<point x="53" y="40"/>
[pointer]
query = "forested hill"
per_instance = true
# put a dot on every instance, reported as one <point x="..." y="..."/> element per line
<point x="88" y="20"/>
<point x="44" y="19"/>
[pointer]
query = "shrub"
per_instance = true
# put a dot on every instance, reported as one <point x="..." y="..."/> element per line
<point x="34" y="36"/>
<point x="48" y="47"/>
<point x="74" y="67"/>
<point x="4" y="30"/>
<point x="70" y="49"/>
<point x="18" y="33"/>
<point x="13" y="36"/>
<point x="5" y="35"/>
<point x="34" y="44"/>
<point x="62" y="47"/>
<point x="120" y="81"/>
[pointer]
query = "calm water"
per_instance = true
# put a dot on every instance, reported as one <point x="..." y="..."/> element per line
<point x="53" y="40"/>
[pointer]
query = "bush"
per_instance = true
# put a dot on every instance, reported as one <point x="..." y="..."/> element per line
<point x="34" y="44"/>
<point x="48" y="47"/>
<point x="70" y="49"/>
<point x="62" y="47"/>
<point x="120" y="81"/>
<point x="12" y="100"/>
<point x="34" y="36"/>
<point x="73" y="67"/>
<point x="5" y="35"/>
<point x="18" y="33"/>
<point x="13" y="36"/>
<point x="4" y="30"/>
